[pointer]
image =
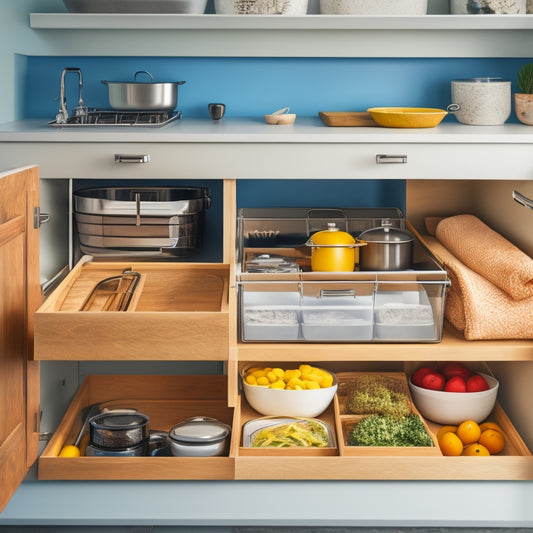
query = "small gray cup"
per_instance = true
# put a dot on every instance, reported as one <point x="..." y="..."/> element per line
<point x="216" y="111"/>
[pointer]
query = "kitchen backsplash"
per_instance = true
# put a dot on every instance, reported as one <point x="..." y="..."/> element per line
<point x="255" y="86"/>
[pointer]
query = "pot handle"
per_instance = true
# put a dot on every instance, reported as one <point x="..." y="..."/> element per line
<point x="143" y="72"/>
<point x="453" y="108"/>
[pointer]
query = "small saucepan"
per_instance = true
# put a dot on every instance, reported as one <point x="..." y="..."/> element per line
<point x="143" y="95"/>
<point x="387" y="248"/>
<point x="333" y="250"/>
<point x="200" y="436"/>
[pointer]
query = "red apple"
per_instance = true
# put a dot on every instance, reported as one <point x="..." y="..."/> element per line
<point x="419" y="374"/>
<point x="433" y="381"/>
<point x="455" y="384"/>
<point x="476" y="383"/>
<point x="456" y="369"/>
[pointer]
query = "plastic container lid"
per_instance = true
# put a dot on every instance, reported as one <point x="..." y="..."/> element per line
<point x="199" y="430"/>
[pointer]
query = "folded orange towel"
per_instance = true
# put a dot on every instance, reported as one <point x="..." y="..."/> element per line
<point x="483" y="311"/>
<point x="488" y="253"/>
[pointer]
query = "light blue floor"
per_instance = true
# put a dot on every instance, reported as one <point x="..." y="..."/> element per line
<point x="177" y="529"/>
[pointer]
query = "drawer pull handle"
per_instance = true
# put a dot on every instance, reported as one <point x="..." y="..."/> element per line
<point x="384" y="159"/>
<point x="127" y="158"/>
<point x="333" y="293"/>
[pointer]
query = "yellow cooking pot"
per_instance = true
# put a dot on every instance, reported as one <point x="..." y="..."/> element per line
<point x="333" y="250"/>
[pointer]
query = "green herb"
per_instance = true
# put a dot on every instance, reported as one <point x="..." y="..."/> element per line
<point x="387" y="430"/>
<point x="378" y="395"/>
<point x="525" y="79"/>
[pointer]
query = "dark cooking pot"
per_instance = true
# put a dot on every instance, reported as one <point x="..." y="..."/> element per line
<point x="143" y="95"/>
<point x="118" y="430"/>
<point x="387" y="248"/>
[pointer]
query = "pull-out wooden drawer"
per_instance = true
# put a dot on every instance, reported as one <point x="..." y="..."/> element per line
<point x="178" y="311"/>
<point x="166" y="400"/>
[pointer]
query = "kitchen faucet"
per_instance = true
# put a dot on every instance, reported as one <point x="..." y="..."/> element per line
<point x="81" y="109"/>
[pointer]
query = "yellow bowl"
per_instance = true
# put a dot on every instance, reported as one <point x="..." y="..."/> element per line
<point x="407" y="117"/>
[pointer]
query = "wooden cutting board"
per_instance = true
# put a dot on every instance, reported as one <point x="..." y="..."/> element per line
<point x="347" y="118"/>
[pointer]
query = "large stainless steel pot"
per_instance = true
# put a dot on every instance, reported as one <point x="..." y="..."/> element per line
<point x="387" y="248"/>
<point x="143" y="95"/>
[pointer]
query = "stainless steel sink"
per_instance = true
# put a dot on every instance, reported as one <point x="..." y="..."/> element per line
<point x="136" y="6"/>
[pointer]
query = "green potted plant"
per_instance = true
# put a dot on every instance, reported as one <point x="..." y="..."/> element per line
<point x="523" y="100"/>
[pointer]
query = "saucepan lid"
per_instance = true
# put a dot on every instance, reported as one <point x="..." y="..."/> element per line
<point x="199" y="430"/>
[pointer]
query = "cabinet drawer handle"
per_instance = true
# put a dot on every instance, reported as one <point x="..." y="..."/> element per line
<point x="127" y="158"/>
<point x="384" y="159"/>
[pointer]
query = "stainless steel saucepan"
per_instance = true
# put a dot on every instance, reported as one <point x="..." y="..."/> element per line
<point x="143" y="95"/>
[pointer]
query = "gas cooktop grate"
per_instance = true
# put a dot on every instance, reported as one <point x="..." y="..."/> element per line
<point x="104" y="117"/>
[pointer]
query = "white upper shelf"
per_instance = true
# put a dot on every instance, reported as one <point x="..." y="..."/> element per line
<point x="116" y="21"/>
<point x="279" y="36"/>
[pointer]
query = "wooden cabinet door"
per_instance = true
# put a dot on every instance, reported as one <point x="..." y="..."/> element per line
<point x="19" y="297"/>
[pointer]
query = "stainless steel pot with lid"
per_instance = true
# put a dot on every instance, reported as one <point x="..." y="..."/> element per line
<point x="143" y="95"/>
<point x="387" y="248"/>
<point x="199" y="436"/>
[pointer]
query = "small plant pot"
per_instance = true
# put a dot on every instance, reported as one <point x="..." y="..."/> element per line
<point x="523" y="108"/>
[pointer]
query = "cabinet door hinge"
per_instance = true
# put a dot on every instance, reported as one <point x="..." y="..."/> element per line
<point x="39" y="218"/>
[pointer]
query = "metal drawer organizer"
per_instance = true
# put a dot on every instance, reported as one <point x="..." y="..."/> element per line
<point x="140" y="221"/>
<point x="282" y="300"/>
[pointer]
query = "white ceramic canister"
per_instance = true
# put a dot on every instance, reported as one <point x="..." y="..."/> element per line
<point x="373" y="7"/>
<point x="482" y="101"/>
<point x="261" y="7"/>
<point x="483" y="7"/>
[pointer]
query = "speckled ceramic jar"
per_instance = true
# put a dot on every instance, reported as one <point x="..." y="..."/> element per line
<point x="373" y="7"/>
<point x="482" y="101"/>
<point x="261" y="7"/>
<point x="483" y="7"/>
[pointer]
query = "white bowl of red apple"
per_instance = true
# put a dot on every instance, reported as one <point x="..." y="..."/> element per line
<point x="451" y="393"/>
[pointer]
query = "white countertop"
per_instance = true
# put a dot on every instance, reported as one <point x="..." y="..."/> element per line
<point x="255" y="130"/>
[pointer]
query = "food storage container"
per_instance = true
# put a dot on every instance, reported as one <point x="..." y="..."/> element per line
<point x="482" y="101"/>
<point x="282" y="299"/>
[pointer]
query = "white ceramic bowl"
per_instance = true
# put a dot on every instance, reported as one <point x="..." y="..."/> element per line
<point x="261" y="7"/>
<point x="280" y="402"/>
<point x="373" y="7"/>
<point x="455" y="407"/>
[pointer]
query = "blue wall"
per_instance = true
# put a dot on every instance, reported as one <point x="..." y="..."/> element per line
<point x="254" y="86"/>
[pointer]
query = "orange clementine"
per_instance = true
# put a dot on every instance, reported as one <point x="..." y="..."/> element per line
<point x="476" y="450"/>
<point x="490" y="425"/>
<point x="469" y="432"/>
<point x="450" y="444"/>
<point x="446" y="429"/>
<point x="493" y="440"/>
